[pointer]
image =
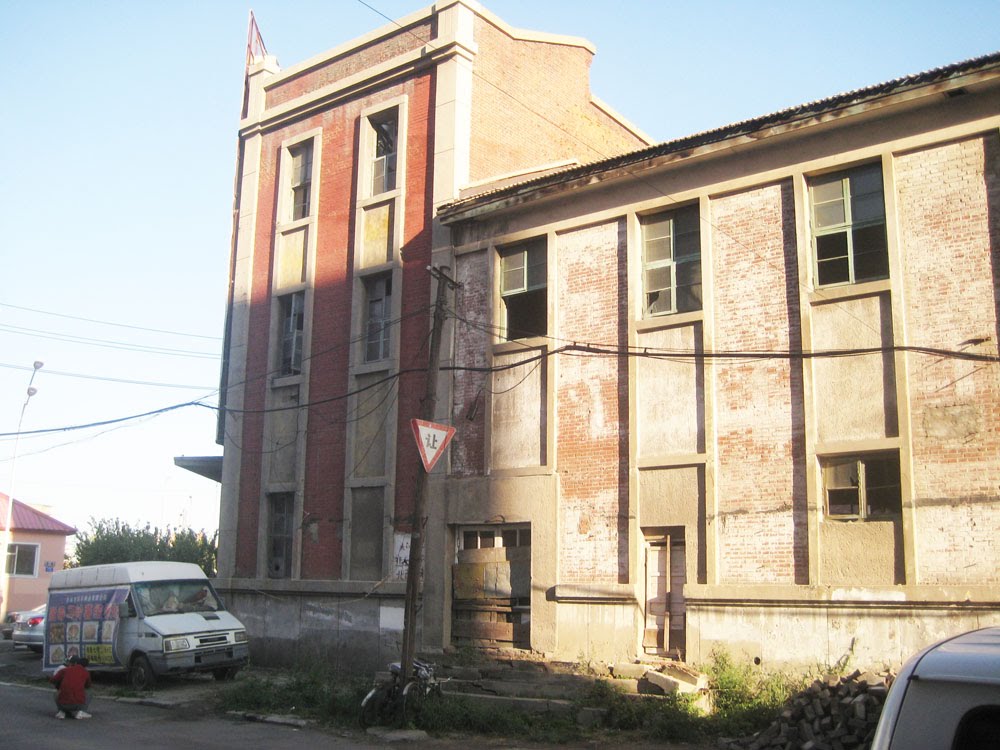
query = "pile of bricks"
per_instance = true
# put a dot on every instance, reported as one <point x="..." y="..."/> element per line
<point x="835" y="713"/>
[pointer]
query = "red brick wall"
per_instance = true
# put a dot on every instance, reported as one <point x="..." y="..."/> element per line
<point x="949" y="209"/>
<point x="331" y="316"/>
<point x="758" y="415"/>
<point x="531" y="105"/>
<point x="414" y="331"/>
<point x="592" y="405"/>
<point x="355" y="61"/>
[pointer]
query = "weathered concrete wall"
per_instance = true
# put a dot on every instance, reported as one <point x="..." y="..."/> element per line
<point x="349" y="631"/>
<point x="820" y="632"/>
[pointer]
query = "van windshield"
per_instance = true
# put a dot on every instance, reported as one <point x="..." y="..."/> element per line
<point x="162" y="597"/>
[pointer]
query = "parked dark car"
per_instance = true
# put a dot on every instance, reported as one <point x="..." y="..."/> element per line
<point x="29" y="630"/>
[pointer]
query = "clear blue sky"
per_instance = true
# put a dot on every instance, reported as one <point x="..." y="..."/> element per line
<point x="119" y="135"/>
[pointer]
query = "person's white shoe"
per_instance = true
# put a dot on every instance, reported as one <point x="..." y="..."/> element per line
<point x="82" y="715"/>
<point x="60" y="715"/>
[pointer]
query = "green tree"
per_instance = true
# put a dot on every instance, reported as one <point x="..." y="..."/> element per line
<point x="112" y="541"/>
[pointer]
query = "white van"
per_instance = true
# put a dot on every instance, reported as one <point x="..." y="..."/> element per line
<point x="144" y="618"/>
<point x="947" y="696"/>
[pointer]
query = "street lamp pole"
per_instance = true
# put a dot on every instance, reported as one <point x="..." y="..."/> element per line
<point x="7" y="531"/>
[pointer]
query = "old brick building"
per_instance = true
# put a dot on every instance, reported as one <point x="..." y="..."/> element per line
<point x="343" y="159"/>
<point x="740" y="390"/>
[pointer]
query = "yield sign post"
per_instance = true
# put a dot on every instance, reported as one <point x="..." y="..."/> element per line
<point x="432" y="439"/>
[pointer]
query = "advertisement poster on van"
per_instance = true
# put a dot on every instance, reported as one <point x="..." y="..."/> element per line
<point x="83" y="623"/>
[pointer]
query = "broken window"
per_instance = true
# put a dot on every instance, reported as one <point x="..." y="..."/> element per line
<point x="848" y="224"/>
<point x="671" y="261"/>
<point x="300" y="182"/>
<point x="523" y="280"/>
<point x="386" y="130"/>
<point x="281" y="506"/>
<point x="292" y="311"/>
<point x="862" y="487"/>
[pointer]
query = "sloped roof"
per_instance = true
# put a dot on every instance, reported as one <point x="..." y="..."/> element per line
<point x="26" y="518"/>
<point x="529" y="188"/>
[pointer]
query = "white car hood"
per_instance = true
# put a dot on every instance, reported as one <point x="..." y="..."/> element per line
<point x="183" y="623"/>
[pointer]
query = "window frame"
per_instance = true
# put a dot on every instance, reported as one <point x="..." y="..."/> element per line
<point x="864" y="465"/>
<point x="300" y="179"/>
<point x="291" y="356"/>
<point x="528" y="297"/>
<point x="287" y="535"/>
<point x="383" y="179"/>
<point x="12" y="559"/>
<point x="377" y="283"/>
<point x="849" y="227"/>
<point x="500" y="535"/>
<point x="673" y="262"/>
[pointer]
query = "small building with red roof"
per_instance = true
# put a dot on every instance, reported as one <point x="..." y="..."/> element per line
<point x="37" y="550"/>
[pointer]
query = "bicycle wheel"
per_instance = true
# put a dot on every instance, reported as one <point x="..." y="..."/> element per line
<point x="413" y="702"/>
<point x="373" y="705"/>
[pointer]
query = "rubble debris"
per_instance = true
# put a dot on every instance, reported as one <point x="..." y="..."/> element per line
<point x="833" y="713"/>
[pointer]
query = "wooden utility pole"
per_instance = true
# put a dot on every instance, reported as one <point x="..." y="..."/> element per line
<point x="420" y="504"/>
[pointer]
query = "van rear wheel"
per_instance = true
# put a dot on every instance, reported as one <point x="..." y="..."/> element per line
<point x="140" y="674"/>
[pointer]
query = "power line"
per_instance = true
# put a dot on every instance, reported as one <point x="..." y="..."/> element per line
<point x="109" y="323"/>
<point x="105" y="343"/>
<point x="125" y="381"/>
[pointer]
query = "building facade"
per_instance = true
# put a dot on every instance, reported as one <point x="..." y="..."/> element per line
<point x="37" y="549"/>
<point x="342" y="161"/>
<point x="739" y="390"/>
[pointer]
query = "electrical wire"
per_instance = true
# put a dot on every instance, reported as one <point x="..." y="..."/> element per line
<point x="109" y="323"/>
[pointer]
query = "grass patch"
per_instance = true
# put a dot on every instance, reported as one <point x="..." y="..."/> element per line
<point x="455" y="713"/>
<point x="746" y="700"/>
<point x="314" y="693"/>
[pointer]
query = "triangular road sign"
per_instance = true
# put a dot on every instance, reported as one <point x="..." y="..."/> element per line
<point x="432" y="439"/>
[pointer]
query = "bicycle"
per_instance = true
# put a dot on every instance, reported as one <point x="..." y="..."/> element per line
<point x="394" y="702"/>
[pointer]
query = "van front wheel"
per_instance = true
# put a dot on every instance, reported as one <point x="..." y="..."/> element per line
<point x="141" y="675"/>
<point x="225" y="673"/>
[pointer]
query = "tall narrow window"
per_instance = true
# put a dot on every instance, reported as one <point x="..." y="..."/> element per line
<point x="378" y="311"/>
<point x="523" y="280"/>
<point x="300" y="182"/>
<point x="848" y="214"/>
<point x="292" y="323"/>
<point x="281" y="507"/>
<point x="862" y="487"/>
<point x="671" y="262"/>
<point x="386" y="128"/>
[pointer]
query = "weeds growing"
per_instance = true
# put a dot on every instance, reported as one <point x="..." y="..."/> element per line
<point x="745" y="700"/>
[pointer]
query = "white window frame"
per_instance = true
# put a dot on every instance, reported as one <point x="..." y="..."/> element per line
<point x="12" y="555"/>
<point x="300" y="178"/>
<point x="368" y="159"/>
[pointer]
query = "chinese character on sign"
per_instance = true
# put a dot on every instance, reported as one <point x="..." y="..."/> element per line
<point x="432" y="439"/>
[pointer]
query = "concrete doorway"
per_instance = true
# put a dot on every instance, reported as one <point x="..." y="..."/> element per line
<point x="491" y="586"/>
<point x="664" y="633"/>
